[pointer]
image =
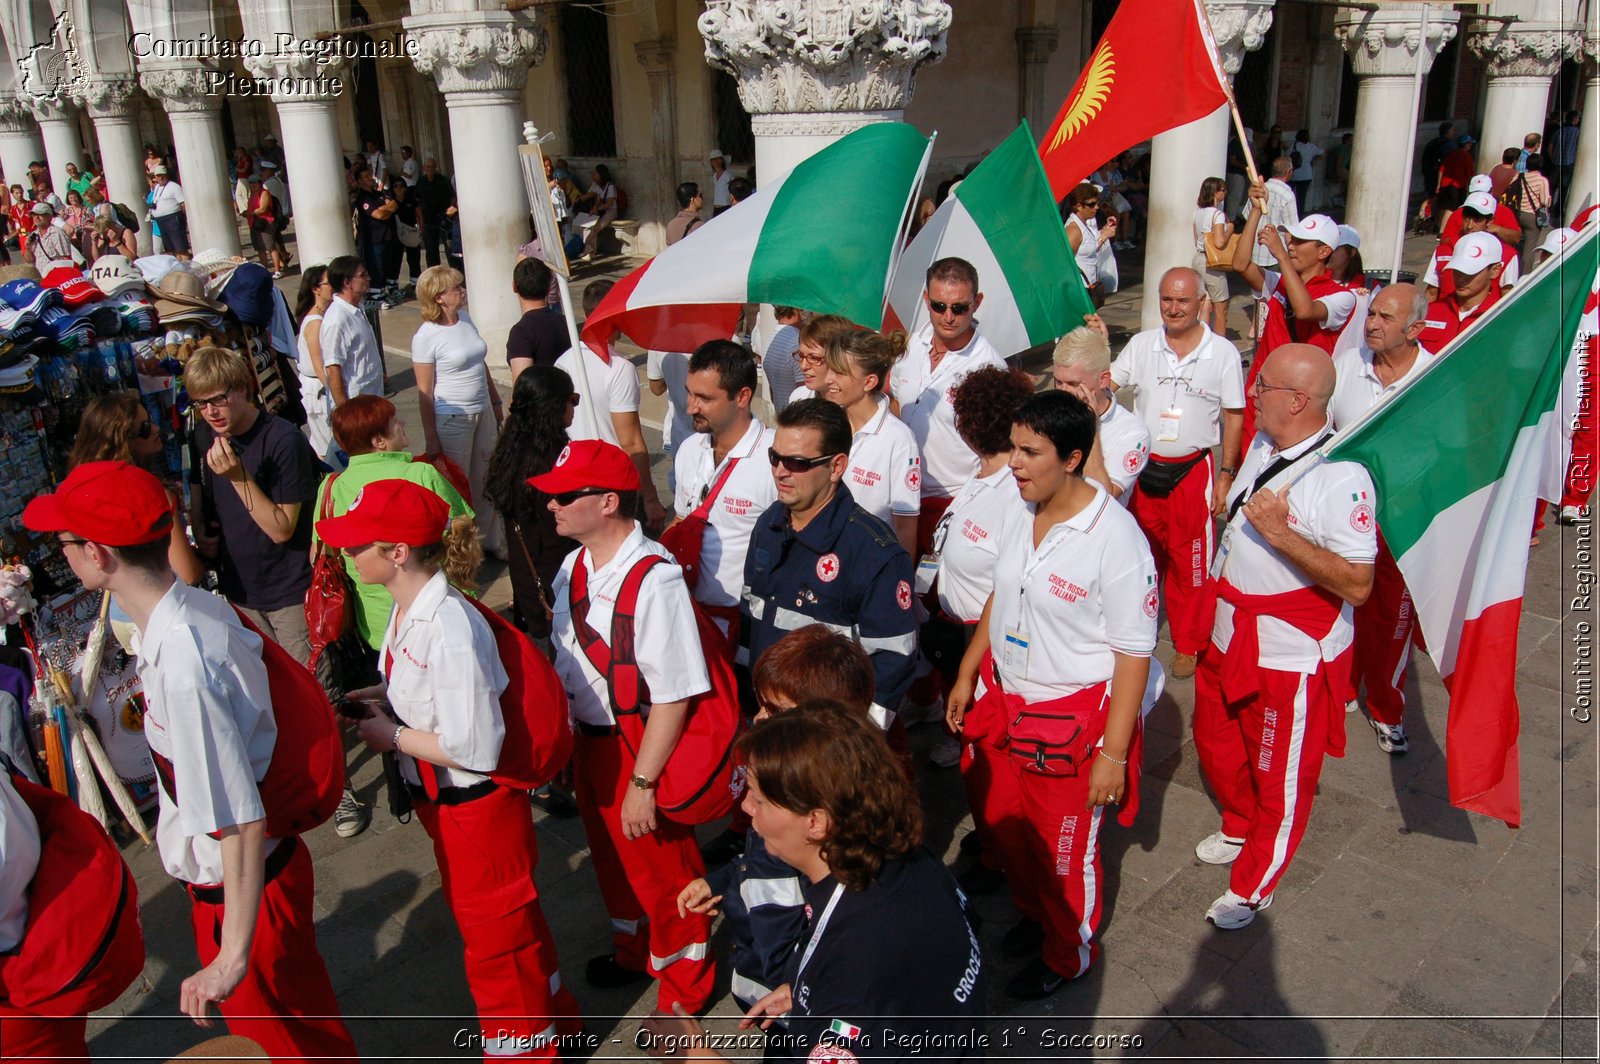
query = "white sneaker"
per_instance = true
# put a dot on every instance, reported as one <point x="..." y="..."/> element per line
<point x="1569" y="515"/>
<point x="1352" y="706"/>
<point x="946" y="752"/>
<point x="1231" y="912"/>
<point x="1218" y="849"/>
<point x="1391" y="737"/>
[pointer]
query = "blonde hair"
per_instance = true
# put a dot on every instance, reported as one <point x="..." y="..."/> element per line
<point x="435" y="282"/>
<point x="213" y="370"/>
<point x="872" y="353"/>
<point x="824" y="329"/>
<point x="1084" y="347"/>
<point x="459" y="554"/>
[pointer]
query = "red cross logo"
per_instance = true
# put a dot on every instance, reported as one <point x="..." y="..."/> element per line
<point x="1152" y="603"/>
<point x="1132" y="461"/>
<point x="914" y="478"/>
<point x="1361" y="518"/>
<point x="828" y="568"/>
<point x="902" y="595"/>
<point x="566" y="452"/>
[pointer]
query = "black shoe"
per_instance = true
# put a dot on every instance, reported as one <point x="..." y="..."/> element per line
<point x="604" y="972"/>
<point x="1038" y="980"/>
<point x="729" y="846"/>
<point x="1027" y="937"/>
<point x="980" y="879"/>
<point x="555" y="801"/>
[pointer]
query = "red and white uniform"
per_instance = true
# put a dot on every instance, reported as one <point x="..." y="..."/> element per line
<point x="1581" y="466"/>
<point x="1268" y="694"/>
<point x="445" y="677"/>
<point x="1125" y="447"/>
<point x="639" y="878"/>
<point x="208" y="711"/>
<point x="24" y="1036"/>
<point x="1279" y="327"/>
<point x="1180" y="401"/>
<point x="740" y="502"/>
<point x="1440" y="276"/>
<point x="1089" y="585"/>
<point x="1386" y="623"/>
<point x="1446" y="320"/>
<point x="885" y="471"/>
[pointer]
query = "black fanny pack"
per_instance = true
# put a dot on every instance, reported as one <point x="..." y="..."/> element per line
<point x="1160" y="479"/>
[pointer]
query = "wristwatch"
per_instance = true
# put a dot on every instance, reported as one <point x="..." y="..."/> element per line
<point x="1232" y="471"/>
<point x="643" y="784"/>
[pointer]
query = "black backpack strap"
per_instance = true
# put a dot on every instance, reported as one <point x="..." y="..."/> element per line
<point x="1268" y="473"/>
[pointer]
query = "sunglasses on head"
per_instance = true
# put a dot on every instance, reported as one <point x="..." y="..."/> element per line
<point x="567" y="498"/>
<point x="958" y="309"/>
<point x="795" y="463"/>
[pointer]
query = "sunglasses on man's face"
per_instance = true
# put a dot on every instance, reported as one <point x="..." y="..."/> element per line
<point x="795" y="463"/>
<point x="567" y="498"/>
<point x="958" y="309"/>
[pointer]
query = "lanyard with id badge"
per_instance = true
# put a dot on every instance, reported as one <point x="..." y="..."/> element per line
<point x="1014" y="653"/>
<point x="1170" y="424"/>
<point x="928" y="565"/>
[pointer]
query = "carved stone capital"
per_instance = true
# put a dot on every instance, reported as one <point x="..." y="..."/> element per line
<point x="108" y="97"/>
<point x="1591" y="47"/>
<point x="484" y="53"/>
<point x="1036" y="44"/>
<point x="1239" y="27"/>
<point x="817" y="123"/>
<point x="1524" y="49"/>
<point x="15" y="116"/>
<point x="1387" y="42"/>
<point x="301" y="69"/>
<point x="794" y="56"/>
<point x="657" y="57"/>
<point x="181" y="89"/>
<point x="51" y="109"/>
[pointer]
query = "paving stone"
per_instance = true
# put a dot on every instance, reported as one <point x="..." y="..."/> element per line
<point x="1439" y="841"/>
<point x="1468" y="985"/>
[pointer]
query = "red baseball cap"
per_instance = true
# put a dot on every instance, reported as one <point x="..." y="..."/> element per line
<point x="113" y="503"/>
<point x="589" y="464"/>
<point x="76" y="289"/>
<point x="389" y="511"/>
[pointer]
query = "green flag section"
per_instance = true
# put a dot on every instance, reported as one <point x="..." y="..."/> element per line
<point x="1460" y="458"/>
<point x="1002" y="219"/>
<point x="822" y="238"/>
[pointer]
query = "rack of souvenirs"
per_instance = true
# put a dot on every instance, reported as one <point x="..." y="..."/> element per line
<point x="65" y="338"/>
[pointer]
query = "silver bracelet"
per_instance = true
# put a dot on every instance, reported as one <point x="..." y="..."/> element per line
<point x="398" y="728"/>
<point x="1103" y="754"/>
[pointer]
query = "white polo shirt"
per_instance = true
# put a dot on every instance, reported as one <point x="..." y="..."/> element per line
<point x="613" y="388"/>
<point x="1088" y="589"/>
<point x="1125" y="447"/>
<point x="208" y="710"/>
<point x="885" y="472"/>
<point x="1181" y="400"/>
<point x="1334" y="506"/>
<point x="801" y="392"/>
<point x="745" y="496"/>
<point x="167" y="200"/>
<point x="19" y="860"/>
<point x="925" y="394"/>
<point x="445" y="677"/>
<point x="347" y="342"/>
<point x="668" y="645"/>
<point x="1340" y="305"/>
<point x="1359" y="389"/>
<point x="967" y="540"/>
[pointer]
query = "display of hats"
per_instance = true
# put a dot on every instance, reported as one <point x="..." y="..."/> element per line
<point x="248" y="294"/>
<point x="138" y="317"/>
<point x="115" y="275"/>
<point x="13" y="322"/>
<point x="76" y="289"/>
<point x="213" y="266"/>
<point x="28" y="295"/>
<point x="69" y="330"/>
<point x="181" y="296"/>
<point x="18" y="378"/>
<point x="10" y="353"/>
<point x="154" y="267"/>
<point x="103" y="319"/>
<point x="18" y="273"/>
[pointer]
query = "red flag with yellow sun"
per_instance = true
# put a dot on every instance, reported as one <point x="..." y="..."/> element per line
<point x="1156" y="67"/>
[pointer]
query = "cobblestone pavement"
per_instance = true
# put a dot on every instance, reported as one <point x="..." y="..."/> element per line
<point x="1404" y="928"/>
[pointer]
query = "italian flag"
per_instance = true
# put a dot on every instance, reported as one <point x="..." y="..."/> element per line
<point x="1003" y="219"/>
<point x="822" y="237"/>
<point x="1461" y="457"/>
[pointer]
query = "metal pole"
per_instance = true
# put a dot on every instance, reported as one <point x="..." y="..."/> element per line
<point x="1411" y="147"/>
<point x="586" y="407"/>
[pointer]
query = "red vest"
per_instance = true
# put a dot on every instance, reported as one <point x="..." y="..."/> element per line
<point x="1279" y="330"/>
<point x="1445" y="323"/>
<point x="1447" y="277"/>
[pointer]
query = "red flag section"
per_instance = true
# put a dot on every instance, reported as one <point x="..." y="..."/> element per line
<point x="1155" y="68"/>
<point x="1481" y="733"/>
<point x="678" y="327"/>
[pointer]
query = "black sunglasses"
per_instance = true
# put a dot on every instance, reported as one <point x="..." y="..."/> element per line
<point x="958" y="309"/>
<point x="145" y="430"/>
<point x="795" y="463"/>
<point x="567" y="498"/>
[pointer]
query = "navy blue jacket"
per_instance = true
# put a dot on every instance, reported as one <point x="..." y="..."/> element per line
<point x="764" y="912"/>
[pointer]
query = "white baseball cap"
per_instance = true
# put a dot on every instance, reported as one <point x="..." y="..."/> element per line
<point x="1481" y="202"/>
<point x="1558" y="239"/>
<point x="1481" y="183"/>
<point x="1475" y="252"/>
<point x="716" y="155"/>
<point x="1349" y="238"/>
<point x="1318" y="227"/>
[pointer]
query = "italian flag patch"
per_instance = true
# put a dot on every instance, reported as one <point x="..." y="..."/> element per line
<point x="844" y="1030"/>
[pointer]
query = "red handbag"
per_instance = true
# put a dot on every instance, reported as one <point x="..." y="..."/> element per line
<point x="330" y="611"/>
<point x="685" y="539"/>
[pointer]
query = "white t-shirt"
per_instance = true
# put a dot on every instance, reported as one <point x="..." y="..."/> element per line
<point x="457" y="354"/>
<point x="613" y="388"/>
<point x="926" y="407"/>
<point x="967" y="540"/>
<point x="1125" y="447"/>
<point x="1358" y="389"/>
<point x="667" y="644"/>
<point x="303" y="357"/>
<point x="720" y="195"/>
<point x="445" y="677"/>
<point x="1088" y="589"/>
<point x="1333" y="505"/>
<point x="1205" y="219"/>
<point x="1340" y="305"/>
<point x="1088" y="254"/>
<point x="1199" y="387"/>
<point x="19" y="860"/>
<point x="208" y="710"/>
<point x="885" y="472"/>
<point x="168" y="199"/>
<point x="801" y="392"/>
<point x="347" y="342"/>
<point x="745" y="496"/>
<point x="672" y="367"/>
<point x="1309" y="154"/>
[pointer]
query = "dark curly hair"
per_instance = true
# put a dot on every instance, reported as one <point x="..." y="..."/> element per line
<point x="534" y="434"/>
<point x="821" y="755"/>
<point x="986" y="401"/>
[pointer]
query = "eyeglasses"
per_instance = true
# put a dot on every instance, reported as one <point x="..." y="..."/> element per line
<point x="72" y="542"/>
<point x="217" y="401"/>
<point x="567" y="498"/>
<point x="795" y="463"/>
<point x="351" y="552"/>
<point x="958" y="309"/>
<point x="574" y="400"/>
<point x="1261" y="386"/>
<point x="810" y="360"/>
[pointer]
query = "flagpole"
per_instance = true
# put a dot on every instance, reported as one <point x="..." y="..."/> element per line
<point x="1411" y="146"/>
<point x="905" y="226"/>
<point x="1227" y="87"/>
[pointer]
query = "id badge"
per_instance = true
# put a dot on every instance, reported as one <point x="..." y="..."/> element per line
<point x="927" y="571"/>
<point x="1220" y="560"/>
<point x="1171" y="420"/>
<point x="1015" y="655"/>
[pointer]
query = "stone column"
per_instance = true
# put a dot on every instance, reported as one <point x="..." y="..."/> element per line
<point x="1586" y="174"/>
<point x="1385" y="47"/>
<point x="63" y="144"/>
<point x="196" y="118"/>
<point x="480" y="61"/>
<point x="1035" y="46"/>
<point x="19" y="139"/>
<point x="659" y="59"/>
<point x="812" y="71"/>
<point x="1522" y="58"/>
<point x="1181" y="158"/>
<point x="113" y="105"/>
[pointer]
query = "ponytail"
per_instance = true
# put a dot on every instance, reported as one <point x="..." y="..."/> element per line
<point x="459" y="554"/>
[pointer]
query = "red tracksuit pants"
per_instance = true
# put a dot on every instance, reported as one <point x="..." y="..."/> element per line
<point x="487" y="851"/>
<point x="1049" y="845"/>
<point x="1385" y="626"/>
<point x="285" y="1002"/>
<point x="42" y="1041"/>
<point x="640" y="879"/>
<point x="980" y="761"/>
<point x="1262" y="758"/>
<point x="1182" y="540"/>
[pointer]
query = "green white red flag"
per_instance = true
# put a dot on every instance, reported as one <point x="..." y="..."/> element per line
<point x="1461" y="458"/>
